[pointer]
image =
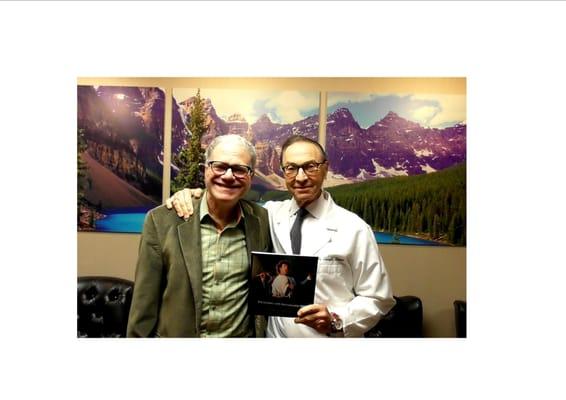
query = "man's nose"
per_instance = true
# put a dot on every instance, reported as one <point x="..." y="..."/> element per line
<point x="228" y="174"/>
<point x="301" y="176"/>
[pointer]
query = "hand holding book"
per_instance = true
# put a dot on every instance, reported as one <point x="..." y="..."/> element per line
<point x="316" y="316"/>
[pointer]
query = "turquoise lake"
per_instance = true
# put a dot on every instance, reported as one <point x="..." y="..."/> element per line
<point x="132" y="222"/>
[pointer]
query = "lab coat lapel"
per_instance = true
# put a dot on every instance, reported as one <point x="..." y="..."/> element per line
<point x="327" y="227"/>
<point x="322" y="238"/>
<point x="282" y="231"/>
<point x="311" y="245"/>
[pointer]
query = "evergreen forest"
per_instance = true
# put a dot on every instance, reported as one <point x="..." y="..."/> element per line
<point x="429" y="206"/>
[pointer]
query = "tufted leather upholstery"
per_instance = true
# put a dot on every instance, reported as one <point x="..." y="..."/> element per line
<point x="460" y="318"/>
<point x="405" y="320"/>
<point x="103" y="304"/>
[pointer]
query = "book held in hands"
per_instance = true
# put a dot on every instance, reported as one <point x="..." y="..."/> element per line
<point x="284" y="283"/>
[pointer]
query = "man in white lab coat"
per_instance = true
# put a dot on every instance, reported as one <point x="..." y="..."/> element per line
<point x="353" y="290"/>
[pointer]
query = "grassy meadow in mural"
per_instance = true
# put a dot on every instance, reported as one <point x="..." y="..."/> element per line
<point x="120" y="153"/>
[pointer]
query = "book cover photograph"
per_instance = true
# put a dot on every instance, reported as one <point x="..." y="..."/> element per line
<point x="284" y="283"/>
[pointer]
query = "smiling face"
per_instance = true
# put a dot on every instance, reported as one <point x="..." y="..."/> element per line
<point x="305" y="188"/>
<point x="226" y="189"/>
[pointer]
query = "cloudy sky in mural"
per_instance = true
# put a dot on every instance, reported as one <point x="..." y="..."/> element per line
<point x="282" y="106"/>
<point x="429" y="110"/>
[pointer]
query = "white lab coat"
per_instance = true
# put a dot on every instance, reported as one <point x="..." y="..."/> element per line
<point x="351" y="278"/>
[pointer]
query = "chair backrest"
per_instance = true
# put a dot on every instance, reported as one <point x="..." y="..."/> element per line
<point x="103" y="305"/>
<point x="460" y="318"/>
<point x="405" y="320"/>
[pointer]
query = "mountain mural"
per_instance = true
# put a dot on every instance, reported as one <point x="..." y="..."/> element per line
<point x="123" y="130"/>
<point x="392" y="146"/>
<point x="264" y="134"/>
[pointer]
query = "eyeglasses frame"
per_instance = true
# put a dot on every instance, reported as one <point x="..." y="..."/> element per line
<point x="302" y="166"/>
<point x="230" y="167"/>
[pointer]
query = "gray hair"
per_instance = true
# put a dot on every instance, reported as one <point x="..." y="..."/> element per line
<point x="234" y="140"/>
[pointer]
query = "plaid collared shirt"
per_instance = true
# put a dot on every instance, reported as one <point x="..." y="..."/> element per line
<point x="224" y="278"/>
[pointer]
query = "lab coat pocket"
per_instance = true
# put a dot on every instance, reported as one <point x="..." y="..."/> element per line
<point x="332" y="265"/>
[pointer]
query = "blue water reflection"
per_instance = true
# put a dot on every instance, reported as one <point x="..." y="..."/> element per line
<point x="132" y="222"/>
<point x="119" y="220"/>
<point x="390" y="238"/>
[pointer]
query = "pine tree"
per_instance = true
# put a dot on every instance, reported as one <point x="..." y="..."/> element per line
<point x="191" y="156"/>
<point x="452" y="230"/>
<point x="436" y="229"/>
<point x="368" y="210"/>
<point x="81" y="170"/>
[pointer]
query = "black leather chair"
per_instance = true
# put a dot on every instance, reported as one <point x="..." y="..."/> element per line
<point x="460" y="318"/>
<point x="405" y="320"/>
<point x="103" y="305"/>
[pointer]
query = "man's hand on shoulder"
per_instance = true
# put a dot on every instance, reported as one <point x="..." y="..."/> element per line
<point x="182" y="203"/>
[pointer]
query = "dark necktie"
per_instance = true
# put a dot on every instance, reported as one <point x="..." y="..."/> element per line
<point x="296" y="230"/>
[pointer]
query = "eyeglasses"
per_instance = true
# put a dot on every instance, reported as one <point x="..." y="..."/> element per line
<point x="239" y="171"/>
<point x="309" y="168"/>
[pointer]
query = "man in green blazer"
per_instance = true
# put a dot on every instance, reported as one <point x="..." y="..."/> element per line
<point x="193" y="276"/>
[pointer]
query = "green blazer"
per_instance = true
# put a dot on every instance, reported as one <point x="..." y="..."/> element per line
<point x="167" y="298"/>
